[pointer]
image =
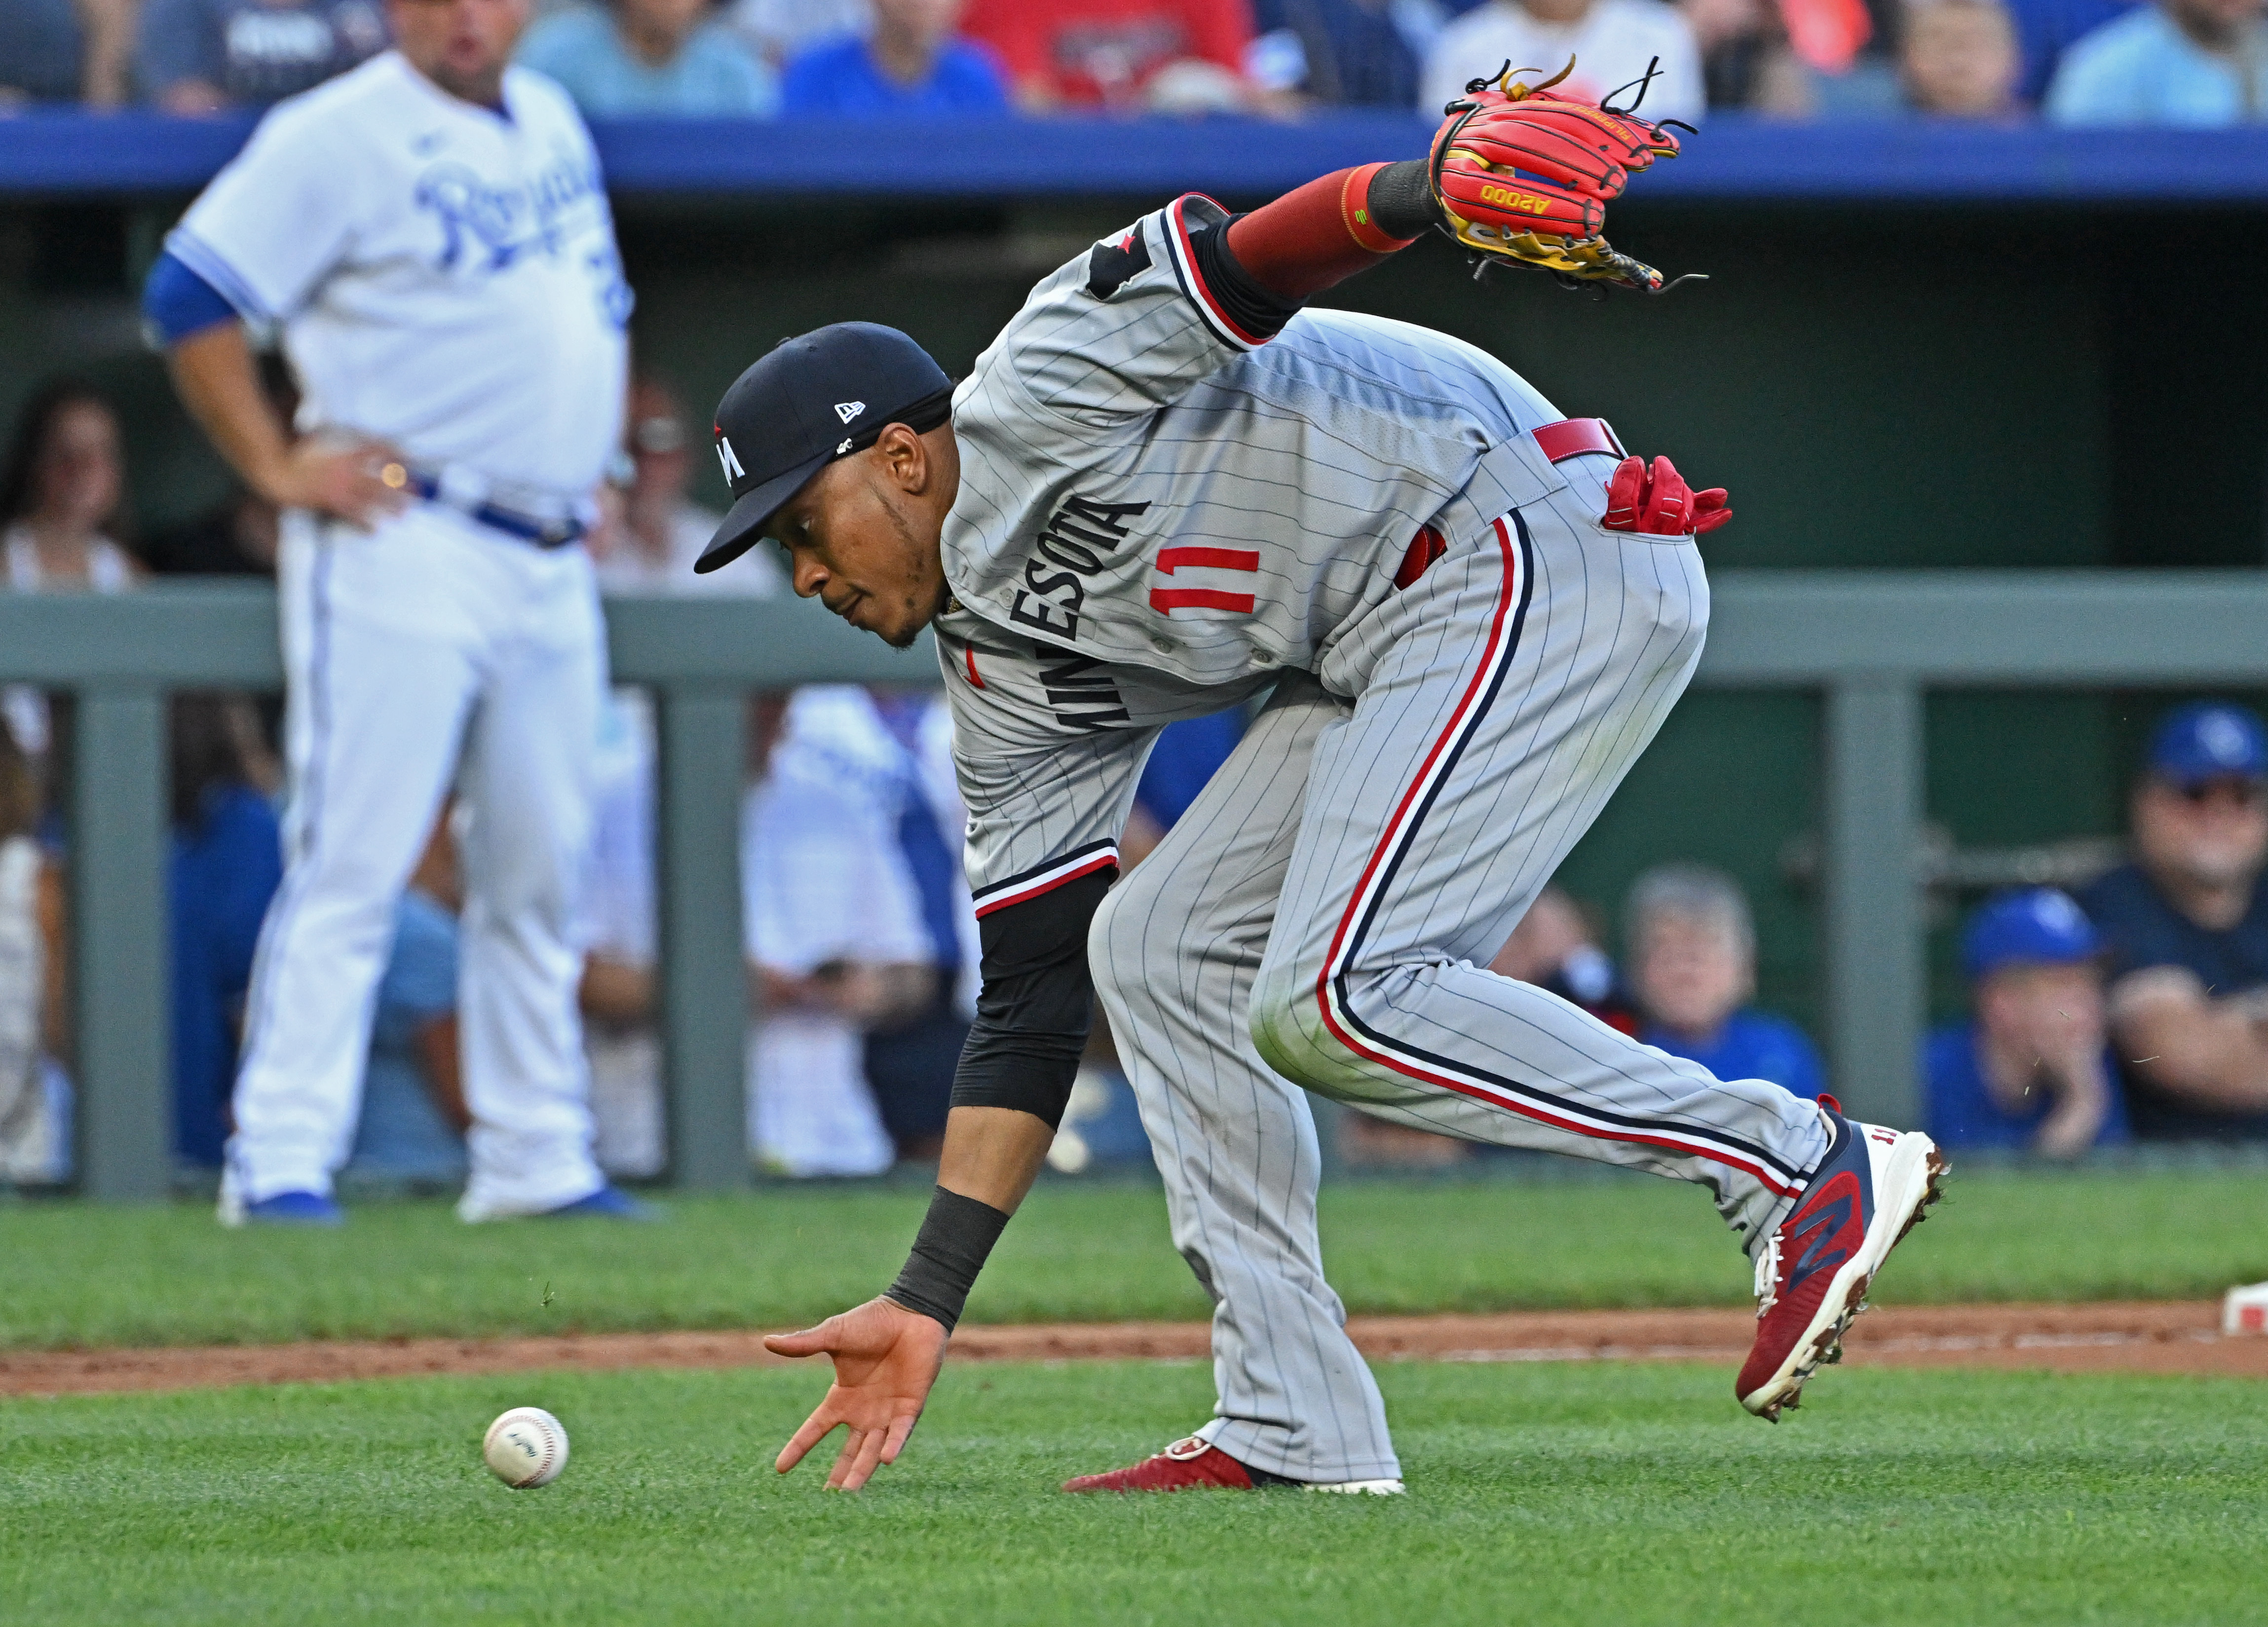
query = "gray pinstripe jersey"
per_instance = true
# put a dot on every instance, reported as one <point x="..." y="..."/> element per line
<point x="1159" y="511"/>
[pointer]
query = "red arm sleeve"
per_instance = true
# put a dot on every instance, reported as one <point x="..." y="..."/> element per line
<point x="1308" y="239"/>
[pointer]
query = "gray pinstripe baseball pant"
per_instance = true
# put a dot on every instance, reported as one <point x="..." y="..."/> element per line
<point x="1320" y="917"/>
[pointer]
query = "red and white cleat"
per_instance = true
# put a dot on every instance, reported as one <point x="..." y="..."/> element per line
<point x="1195" y="1464"/>
<point x="1872" y="1188"/>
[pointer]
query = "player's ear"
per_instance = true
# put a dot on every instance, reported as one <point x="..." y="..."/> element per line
<point x="905" y="457"/>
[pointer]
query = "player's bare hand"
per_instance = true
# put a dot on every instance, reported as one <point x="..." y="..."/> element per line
<point x="885" y="1359"/>
<point x="360" y="482"/>
<point x="1655" y="499"/>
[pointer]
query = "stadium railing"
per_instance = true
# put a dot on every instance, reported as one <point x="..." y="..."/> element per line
<point x="66" y="154"/>
<point x="1873" y="642"/>
<point x="121" y="655"/>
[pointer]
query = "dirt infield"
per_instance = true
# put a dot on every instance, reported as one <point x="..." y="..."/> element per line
<point x="2144" y="1338"/>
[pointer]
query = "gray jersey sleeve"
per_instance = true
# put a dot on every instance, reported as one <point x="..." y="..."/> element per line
<point x="1124" y="329"/>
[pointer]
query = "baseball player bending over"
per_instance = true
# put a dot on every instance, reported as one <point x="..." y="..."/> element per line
<point x="1166" y="489"/>
<point x="431" y="235"/>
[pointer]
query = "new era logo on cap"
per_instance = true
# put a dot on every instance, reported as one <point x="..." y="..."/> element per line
<point x="847" y="410"/>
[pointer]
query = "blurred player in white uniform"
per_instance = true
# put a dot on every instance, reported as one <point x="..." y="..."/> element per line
<point x="430" y="237"/>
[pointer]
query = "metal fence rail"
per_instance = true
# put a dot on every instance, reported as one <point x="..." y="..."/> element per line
<point x="1875" y="642"/>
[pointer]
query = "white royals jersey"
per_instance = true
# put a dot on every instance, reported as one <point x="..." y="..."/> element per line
<point x="445" y="275"/>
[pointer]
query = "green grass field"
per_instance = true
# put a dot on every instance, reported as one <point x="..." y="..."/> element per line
<point x="1537" y="1495"/>
<point x="77" y="1276"/>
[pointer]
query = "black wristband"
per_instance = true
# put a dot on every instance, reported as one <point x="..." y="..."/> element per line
<point x="1401" y="200"/>
<point x="955" y="1236"/>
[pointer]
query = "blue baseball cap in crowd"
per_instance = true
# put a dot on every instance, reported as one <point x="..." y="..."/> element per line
<point x="2039" y="925"/>
<point x="2209" y="740"/>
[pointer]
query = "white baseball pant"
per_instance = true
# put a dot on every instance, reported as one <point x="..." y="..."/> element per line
<point x="429" y="649"/>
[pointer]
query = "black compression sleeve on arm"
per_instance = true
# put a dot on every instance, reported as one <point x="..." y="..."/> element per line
<point x="1401" y="200"/>
<point x="956" y="1236"/>
<point x="1037" y="1004"/>
<point x="1250" y="306"/>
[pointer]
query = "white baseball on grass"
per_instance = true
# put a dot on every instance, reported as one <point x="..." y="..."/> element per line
<point x="525" y="1448"/>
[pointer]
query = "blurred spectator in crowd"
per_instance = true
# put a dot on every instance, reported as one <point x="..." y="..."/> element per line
<point x="225" y="862"/>
<point x="647" y="545"/>
<point x="617" y="928"/>
<point x="912" y="62"/>
<point x="1555" y="948"/>
<point x="834" y="929"/>
<point x="2031" y="1068"/>
<point x="411" y="1128"/>
<point x="1365" y="53"/>
<point x="65" y="51"/>
<point x="1958" y="59"/>
<point x="1611" y="40"/>
<point x="63" y="494"/>
<point x="2194" y="62"/>
<point x="653" y="539"/>
<point x="843" y="937"/>
<point x="31" y="1107"/>
<point x="2186" y="924"/>
<point x="1169" y="55"/>
<point x="1745" y="60"/>
<point x="1693" y="968"/>
<point x="781" y="30"/>
<point x="204" y="55"/>
<point x="2045" y="29"/>
<point x="62" y="501"/>
<point x="666" y="58"/>
<point x="909" y="1064"/>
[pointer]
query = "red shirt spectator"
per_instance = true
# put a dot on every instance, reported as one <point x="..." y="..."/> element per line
<point x="1113" y="53"/>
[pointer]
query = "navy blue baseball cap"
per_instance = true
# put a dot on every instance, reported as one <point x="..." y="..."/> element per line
<point x="2209" y="740"/>
<point x="2038" y="925"/>
<point x="817" y="397"/>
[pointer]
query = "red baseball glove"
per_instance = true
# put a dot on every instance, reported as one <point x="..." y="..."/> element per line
<point x="1655" y="499"/>
<point x="1524" y="176"/>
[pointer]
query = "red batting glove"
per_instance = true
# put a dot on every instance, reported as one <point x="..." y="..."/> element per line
<point x="1656" y="500"/>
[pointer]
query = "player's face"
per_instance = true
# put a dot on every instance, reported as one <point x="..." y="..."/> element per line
<point x="461" y="45"/>
<point x="862" y="535"/>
